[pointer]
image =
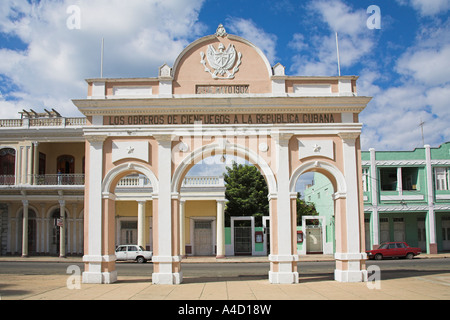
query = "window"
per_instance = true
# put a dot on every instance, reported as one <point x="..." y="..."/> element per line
<point x="7" y="161"/>
<point x="442" y="178"/>
<point x="409" y="178"/>
<point x="388" y="177"/>
<point x="66" y="164"/>
<point x="365" y="179"/>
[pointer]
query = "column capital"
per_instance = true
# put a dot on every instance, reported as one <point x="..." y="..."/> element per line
<point x="349" y="136"/>
<point x="281" y="137"/>
<point x="163" y="139"/>
<point x="96" y="139"/>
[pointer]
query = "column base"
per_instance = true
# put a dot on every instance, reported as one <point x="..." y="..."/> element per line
<point x="165" y="265"/>
<point x="350" y="275"/>
<point x="285" y="269"/>
<point x="94" y="275"/>
<point x="350" y="267"/>
<point x="167" y="278"/>
<point x="99" y="277"/>
<point x="283" y="277"/>
<point x="432" y="248"/>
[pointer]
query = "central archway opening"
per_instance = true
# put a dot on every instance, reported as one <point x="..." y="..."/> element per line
<point x="315" y="214"/>
<point x="232" y="186"/>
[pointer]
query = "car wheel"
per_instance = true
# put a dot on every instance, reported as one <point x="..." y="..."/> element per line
<point x="378" y="256"/>
<point x="140" y="259"/>
<point x="409" y="255"/>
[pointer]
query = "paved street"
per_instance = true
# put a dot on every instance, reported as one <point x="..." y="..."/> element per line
<point x="424" y="279"/>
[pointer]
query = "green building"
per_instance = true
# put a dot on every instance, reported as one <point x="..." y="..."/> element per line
<point x="406" y="198"/>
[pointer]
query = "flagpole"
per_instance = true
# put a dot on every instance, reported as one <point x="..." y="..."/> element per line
<point x="337" y="51"/>
<point x="101" y="66"/>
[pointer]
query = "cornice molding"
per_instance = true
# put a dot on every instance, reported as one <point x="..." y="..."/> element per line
<point x="220" y="105"/>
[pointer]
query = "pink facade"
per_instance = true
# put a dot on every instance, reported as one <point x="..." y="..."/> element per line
<point x="222" y="97"/>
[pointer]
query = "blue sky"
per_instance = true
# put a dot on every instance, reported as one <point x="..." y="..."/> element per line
<point x="404" y="65"/>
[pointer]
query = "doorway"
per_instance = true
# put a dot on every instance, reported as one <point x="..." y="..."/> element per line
<point x="128" y="232"/>
<point x="446" y="233"/>
<point x="421" y="234"/>
<point x="384" y="230"/>
<point x="399" y="229"/>
<point x="242" y="235"/>
<point x="203" y="244"/>
<point x="314" y="239"/>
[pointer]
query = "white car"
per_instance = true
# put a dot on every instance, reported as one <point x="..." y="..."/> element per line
<point x="132" y="252"/>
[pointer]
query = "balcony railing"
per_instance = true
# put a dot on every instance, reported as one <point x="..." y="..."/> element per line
<point x="44" y="180"/>
<point x="42" y="122"/>
<point x="203" y="181"/>
<point x="7" y="180"/>
<point x="59" y="180"/>
<point x="79" y="180"/>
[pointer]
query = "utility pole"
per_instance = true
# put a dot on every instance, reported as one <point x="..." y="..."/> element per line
<point x="422" y="123"/>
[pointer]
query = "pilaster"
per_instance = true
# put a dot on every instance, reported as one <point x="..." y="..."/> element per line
<point x="283" y="262"/>
<point x="350" y="259"/>
<point x="167" y="264"/>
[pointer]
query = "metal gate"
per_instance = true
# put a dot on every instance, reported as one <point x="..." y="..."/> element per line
<point x="242" y="240"/>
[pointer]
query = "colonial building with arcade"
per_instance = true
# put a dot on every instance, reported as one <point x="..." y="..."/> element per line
<point x="221" y="97"/>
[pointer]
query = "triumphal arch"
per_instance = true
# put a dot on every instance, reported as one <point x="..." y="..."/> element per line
<point x="222" y="97"/>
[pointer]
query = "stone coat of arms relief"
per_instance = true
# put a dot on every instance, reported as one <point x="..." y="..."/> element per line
<point x="225" y="62"/>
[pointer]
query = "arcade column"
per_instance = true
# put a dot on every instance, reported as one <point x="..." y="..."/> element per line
<point x="220" y="229"/>
<point x="284" y="258"/>
<point x="166" y="256"/>
<point x="350" y="260"/>
<point x="99" y="266"/>
<point x="25" y="204"/>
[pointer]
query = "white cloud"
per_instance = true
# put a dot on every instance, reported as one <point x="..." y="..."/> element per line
<point x="428" y="7"/>
<point x="140" y="35"/>
<point x="250" y="31"/>
<point x="320" y="56"/>
<point x="430" y="65"/>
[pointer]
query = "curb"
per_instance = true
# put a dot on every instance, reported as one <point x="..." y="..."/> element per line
<point x="302" y="258"/>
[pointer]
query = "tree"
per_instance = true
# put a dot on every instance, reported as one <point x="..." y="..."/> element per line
<point x="246" y="192"/>
<point x="304" y="209"/>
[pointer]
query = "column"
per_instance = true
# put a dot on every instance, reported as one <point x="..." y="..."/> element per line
<point x="349" y="258"/>
<point x="35" y="162"/>
<point x="284" y="259"/>
<point x="182" y="228"/>
<point x="141" y="224"/>
<point x="93" y="257"/>
<point x="62" y="229"/>
<point x="166" y="264"/>
<point x="25" y="229"/>
<point x="220" y="229"/>
<point x="431" y="217"/>
<point x="374" y="189"/>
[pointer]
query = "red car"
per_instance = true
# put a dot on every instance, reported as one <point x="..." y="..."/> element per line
<point x="393" y="250"/>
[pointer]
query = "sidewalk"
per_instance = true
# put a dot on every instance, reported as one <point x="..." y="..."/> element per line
<point x="435" y="286"/>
